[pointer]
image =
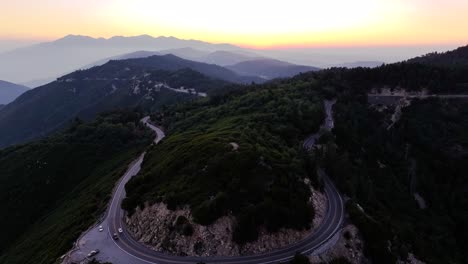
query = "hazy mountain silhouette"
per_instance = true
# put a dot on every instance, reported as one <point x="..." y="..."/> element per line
<point x="269" y="68"/>
<point x="27" y="65"/>
<point x="10" y="91"/>
<point x="225" y="58"/>
<point x="220" y="57"/>
<point x="132" y="55"/>
<point x="243" y="63"/>
<point x="52" y="59"/>
<point x="187" y="53"/>
<point x="116" y="84"/>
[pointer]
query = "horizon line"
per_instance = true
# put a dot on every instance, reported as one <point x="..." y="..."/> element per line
<point x="292" y="46"/>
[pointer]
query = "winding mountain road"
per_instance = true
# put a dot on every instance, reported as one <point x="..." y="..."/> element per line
<point x="127" y="250"/>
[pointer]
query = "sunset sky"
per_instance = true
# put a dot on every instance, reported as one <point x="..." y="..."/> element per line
<point x="253" y="23"/>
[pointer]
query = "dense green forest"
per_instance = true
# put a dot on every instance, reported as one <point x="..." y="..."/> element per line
<point x="454" y="58"/>
<point x="425" y="153"/>
<point x="54" y="189"/>
<point x="408" y="76"/>
<point x="268" y="122"/>
<point x="237" y="153"/>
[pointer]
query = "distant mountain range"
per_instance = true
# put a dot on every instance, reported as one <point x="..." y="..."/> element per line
<point x="222" y="58"/>
<point x="147" y="83"/>
<point x="26" y="65"/>
<point x="269" y="68"/>
<point x="245" y="64"/>
<point x="10" y="91"/>
<point x="73" y="52"/>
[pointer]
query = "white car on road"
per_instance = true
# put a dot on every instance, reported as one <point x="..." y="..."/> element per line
<point x="100" y="228"/>
<point x="93" y="253"/>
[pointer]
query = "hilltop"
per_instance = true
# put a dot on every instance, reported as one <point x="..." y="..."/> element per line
<point x="453" y="58"/>
<point x="148" y="83"/>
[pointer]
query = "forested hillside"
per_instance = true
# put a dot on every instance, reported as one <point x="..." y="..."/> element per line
<point x="407" y="76"/>
<point x="53" y="189"/>
<point x="407" y="184"/>
<point x="267" y="123"/>
<point x="240" y="154"/>
<point x="453" y="58"/>
<point x="146" y="83"/>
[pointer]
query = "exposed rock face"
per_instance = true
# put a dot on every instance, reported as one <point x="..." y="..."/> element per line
<point x="402" y="103"/>
<point x="160" y="229"/>
<point x="349" y="246"/>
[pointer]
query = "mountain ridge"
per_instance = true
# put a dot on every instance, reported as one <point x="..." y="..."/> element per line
<point x="72" y="52"/>
<point x="456" y="57"/>
<point x="148" y="83"/>
<point x="270" y="68"/>
<point x="10" y="91"/>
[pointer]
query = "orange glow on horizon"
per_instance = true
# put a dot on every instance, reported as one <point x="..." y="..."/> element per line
<point x="257" y="24"/>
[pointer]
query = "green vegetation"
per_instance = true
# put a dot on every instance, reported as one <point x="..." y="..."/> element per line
<point x="123" y="84"/>
<point x="236" y="154"/>
<point x="424" y="153"/>
<point x="381" y="170"/>
<point x="239" y="153"/>
<point x="454" y="58"/>
<point x="54" y="189"/>
<point x="408" y="76"/>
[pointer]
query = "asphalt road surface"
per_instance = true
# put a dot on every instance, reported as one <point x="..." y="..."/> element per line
<point x="129" y="251"/>
<point x="327" y="126"/>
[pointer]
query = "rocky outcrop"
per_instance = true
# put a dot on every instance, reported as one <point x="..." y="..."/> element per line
<point x="175" y="232"/>
<point x="348" y="245"/>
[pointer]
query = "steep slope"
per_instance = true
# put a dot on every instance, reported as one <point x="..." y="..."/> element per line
<point x="221" y="58"/>
<point x="149" y="83"/>
<point x="242" y="63"/>
<point x="407" y="183"/>
<point x="72" y="52"/>
<point x="269" y="69"/>
<point x="10" y="91"/>
<point x="53" y="189"/>
<point x="170" y="62"/>
<point x="238" y="155"/>
<point x="132" y="55"/>
<point x="453" y="58"/>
